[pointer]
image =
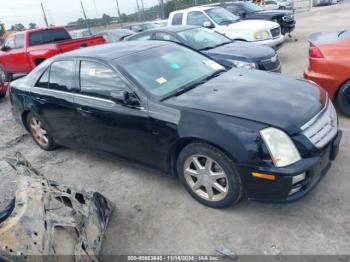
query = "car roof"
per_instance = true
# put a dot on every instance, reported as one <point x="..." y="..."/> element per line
<point x="114" y="50"/>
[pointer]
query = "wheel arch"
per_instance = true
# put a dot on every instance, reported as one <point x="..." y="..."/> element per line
<point x="24" y="117"/>
<point x="182" y="143"/>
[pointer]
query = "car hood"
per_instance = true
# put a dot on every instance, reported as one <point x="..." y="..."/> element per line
<point x="242" y="50"/>
<point x="269" y="98"/>
<point x="270" y="13"/>
<point x="253" y="25"/>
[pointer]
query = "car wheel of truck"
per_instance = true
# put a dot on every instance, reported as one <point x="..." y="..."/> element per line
<point x="209" y="175"/>
<point x="40" y="133"/>
<point x="343" y="98"/>
<point x="4" y="77"/>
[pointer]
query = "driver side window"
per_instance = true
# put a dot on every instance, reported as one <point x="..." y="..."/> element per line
<point x="99" y="80"/>
<point x="196" y="18"/>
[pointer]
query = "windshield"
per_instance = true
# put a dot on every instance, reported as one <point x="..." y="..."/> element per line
<point x="201" y="38"/>
<point x="166" y="70"/>
<point x="221" y="16"/>
<point x="250" y="7"/>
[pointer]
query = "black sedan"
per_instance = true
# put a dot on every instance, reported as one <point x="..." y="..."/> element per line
<point x="222" y="133"/>
<point x="220" y="48"/>
<point x="247" y="10"/>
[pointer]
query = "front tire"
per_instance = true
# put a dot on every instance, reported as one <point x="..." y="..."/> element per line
<point x="209" y="175"/>
<point x="40" y="132"/>
<point x="343" y="98"/>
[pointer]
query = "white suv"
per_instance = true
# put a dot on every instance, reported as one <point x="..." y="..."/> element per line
<point x="222" y="21"/>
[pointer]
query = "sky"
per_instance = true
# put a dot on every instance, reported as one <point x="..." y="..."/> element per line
<point x="60" y="12"/>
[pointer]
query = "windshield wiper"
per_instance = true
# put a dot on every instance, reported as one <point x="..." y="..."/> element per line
<point x="341" y="32"/>
<point x="198" y="83"/>
<point x="212" y="47"/>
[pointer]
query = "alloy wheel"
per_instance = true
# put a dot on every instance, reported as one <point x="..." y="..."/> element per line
<point x="206" y="178"/>
<point x="2" y="75"/>
<point x="38" y="131"/>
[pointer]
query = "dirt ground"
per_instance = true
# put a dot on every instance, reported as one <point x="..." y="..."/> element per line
<point x="155" y="215"/>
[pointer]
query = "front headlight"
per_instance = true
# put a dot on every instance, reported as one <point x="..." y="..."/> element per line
<point x="242" y="64"/>
<point x="282" y="149"/>
<point x="262" y="35"/>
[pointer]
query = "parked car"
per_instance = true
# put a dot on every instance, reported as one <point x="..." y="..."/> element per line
<point x="115" y="35"/>
<point x="278" y="4"/>
<point x="25" y="50"/>
<point x="226" y="23"/>
<point x="139" y="27"/>
<point x="329" y="65"/>
<point x="222" y="133"/>
<point x="324" y="2"/>
<point x="247" y="10"/>
<point x="75" y="34"/>
<point x="218" y="47"/>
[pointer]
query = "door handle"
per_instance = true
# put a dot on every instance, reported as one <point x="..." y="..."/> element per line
<point x="83" y="111"/>
<point x="41" y="99"/>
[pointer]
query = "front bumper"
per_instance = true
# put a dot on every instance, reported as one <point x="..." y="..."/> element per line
<point x="278" y="190"/>
<point x="275" y="43"/>
<point x="287" y="27"/>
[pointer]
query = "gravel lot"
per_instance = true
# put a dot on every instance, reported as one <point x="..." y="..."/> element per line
<point x="155" y="215"/>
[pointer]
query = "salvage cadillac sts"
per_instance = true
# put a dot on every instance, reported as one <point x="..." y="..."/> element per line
<point x="224" y="134"/>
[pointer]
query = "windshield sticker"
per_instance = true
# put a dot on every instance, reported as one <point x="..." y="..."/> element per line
<point x="92" y="72"/>
<point x="161" y="80"/>
<point x="213" y="65"/>
<point x="174" y="66"/>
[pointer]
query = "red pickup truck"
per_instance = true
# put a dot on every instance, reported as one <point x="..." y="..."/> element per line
<point x="23" y="51"/>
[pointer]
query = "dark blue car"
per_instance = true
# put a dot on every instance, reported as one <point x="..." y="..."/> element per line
<point x="220" y="48"/>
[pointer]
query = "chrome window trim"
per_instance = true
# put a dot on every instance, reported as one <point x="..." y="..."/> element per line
<point x="83" y="96"/>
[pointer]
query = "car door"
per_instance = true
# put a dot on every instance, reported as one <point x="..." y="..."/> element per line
<point x="53" y="100"/>
<point x="19" y="55"/>
<point x="198" y="18"/>
<point x="6" y="56"/>
<point x="110" y="127"/>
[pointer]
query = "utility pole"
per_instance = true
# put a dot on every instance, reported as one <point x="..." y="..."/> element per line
<point x="118" y="11"/>
<point x="143" y="10"/>
<point x="45" y="18"/>
<point x="138" y="9"/>
<point x="161" y="5"/>
<point x="86" y="21"/>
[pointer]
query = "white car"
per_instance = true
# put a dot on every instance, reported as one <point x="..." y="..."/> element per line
<point x="278" y="4"/>
<point x="222" y="21"/>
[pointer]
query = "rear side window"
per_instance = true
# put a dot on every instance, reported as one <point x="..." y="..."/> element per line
<point x="19" y="40"/>
<point x="196" y="18"/>
<point x="44" y="79"/>
<point x="142" y="36"/>
<point x="48" y="36"/>
<point x="98" y="80"/>
<point x="165" y="37"/>
<point x="62" y="75"/>
<point x="177" y="19"/>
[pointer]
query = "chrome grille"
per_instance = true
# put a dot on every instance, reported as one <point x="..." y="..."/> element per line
<point x="275" y="32"/>
<point x="271" y="64"/>
<point x="321" y="129"/>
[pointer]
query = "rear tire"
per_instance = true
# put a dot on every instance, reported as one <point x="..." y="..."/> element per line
<point x="40" y="132"/>
<point x="2" y="95"/>
<point x="209" y="175"/>
<point x="343" y="98"/>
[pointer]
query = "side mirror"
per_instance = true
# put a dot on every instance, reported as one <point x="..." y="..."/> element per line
<point x="5" y="48"/>
<point x="208" y="24"/>
<point x="242" y="14"/>
<point x="120" y="97"/>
